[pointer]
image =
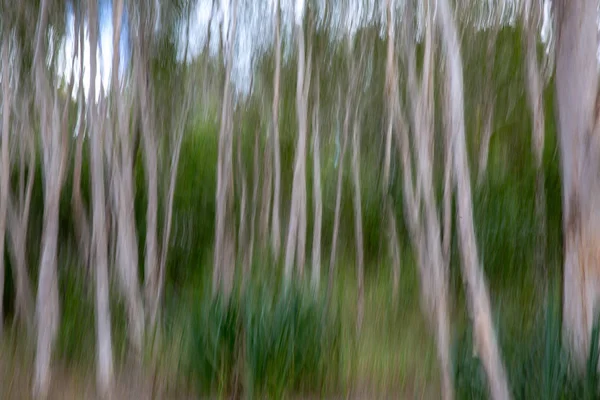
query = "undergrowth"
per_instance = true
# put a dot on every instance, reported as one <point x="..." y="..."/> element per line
<point x="257" y="343"/>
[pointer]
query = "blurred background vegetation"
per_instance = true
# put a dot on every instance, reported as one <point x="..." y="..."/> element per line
<point x="265" y="341"/>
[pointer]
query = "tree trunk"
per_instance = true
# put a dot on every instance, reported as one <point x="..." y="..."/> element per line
<point x="317" y="195"/>
<point x="47" y="305"/>
<point x="576" y="91"/>
<point x="389" y="210"/>
<point x="358" y="232"/>
<point x="296" y="238"/>
<point x="276" y="223"/>
<point x="535" y="90"/>
<point x="18" y="223"/>
<point x="104" y="356"/>
<point x="338" y="197"/>
<point x="179" y="131"/>
<point x="480" y="308"/>
<point x="426" y="235"/>
<point x="255" y="185"/>
<point x="242" y="232"/>
<point x="224" y="261"/>
<point x="4" y="172"/>
<point x="80" y="213"/>
<point x="127" y="245"/>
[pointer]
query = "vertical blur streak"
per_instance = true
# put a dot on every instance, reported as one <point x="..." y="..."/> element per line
<point x="480" y="309"/>
<point x="104" y="357"/>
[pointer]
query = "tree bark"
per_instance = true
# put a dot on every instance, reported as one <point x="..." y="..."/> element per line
<point x="255" y="185"/>
<point x="358" y="232"/>
<point x="480" y="308"/>
<point x="242" y="232"/>
<point x="296" y="238"/>
<point x="317" y="195"/>
<point x="426" y="234"/>
<point x="276" y="223"/>
<point x="488" y="107"/>
<point x="389" y="210"/>
<point x="179" y="131"/>
<point x="47" y="305"/>
<point x="535" y="90"/>
<point x="104" y="355"/>
<point x="224" y="261"/>
<point x="5" y="162"/>
<point x="576" y="92"/>
<point x="126" y="237"/>
<point x="338" y="196"/>
<point x="18" y="223"/>
<point x="80" y="213"/>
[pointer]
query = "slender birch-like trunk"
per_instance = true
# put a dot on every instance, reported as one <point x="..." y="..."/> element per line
<point x="104" y="357"/>
<point x="224" y="259"/>
<point x="276" y="222"/>
<point x="317" y="192"/>
<point x="47" y="304"/>
<point x="535" y="92"/>
<point x="479" y="301"/>
<point x="296" y="238"/>
<point x="5" y="160"/>
<point x="338" y="195"/>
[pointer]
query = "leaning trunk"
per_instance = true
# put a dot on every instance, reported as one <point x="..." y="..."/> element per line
<point x="479" y="301"/>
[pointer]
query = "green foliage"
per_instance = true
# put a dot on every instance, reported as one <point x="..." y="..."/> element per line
<point x="263" y="343"/>
<point x="537" y="364"/>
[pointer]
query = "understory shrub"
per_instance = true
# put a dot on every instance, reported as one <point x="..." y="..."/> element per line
<point x="537" y="365"/>
<point x="264" y="343"/>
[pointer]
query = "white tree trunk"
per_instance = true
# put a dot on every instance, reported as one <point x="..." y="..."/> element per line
<point x="576" y="90"/>
<point x="358" y="231"/>
<point x="317" y="195"/>
<point x="224" y="258"/>
<point x="104" y="371"/>
<point x="5" y="162"/>
<point x="296" y="238"/>
<point x="47" y="306"/>
<point x="18" y="223"/>
<point x="480" y="308"/>
<point x="535" y="90"/>
<point x="127" y="245"/>
<point x="338" y="196"/>
<point x="276" y="222"/>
